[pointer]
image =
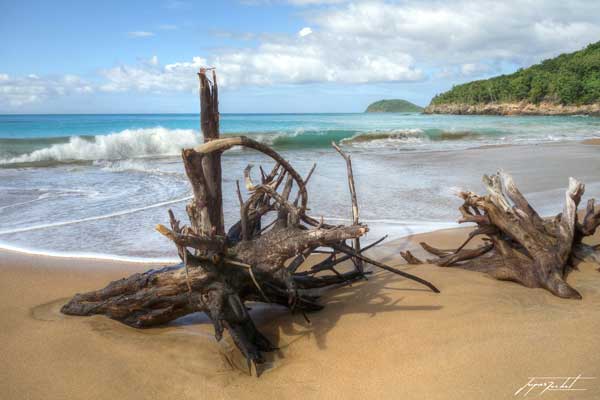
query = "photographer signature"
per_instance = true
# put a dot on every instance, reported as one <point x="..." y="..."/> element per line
<point x="542" y="384"/>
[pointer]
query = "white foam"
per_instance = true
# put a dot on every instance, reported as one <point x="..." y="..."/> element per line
<point x="395" y="138"/>
<point x="89" y="256"/>
<point x="23" y="202"/>
<point x="125" y="144"/>
<point x="133" y="166"/>
<point x="95" y="218"/>
<point x="396" y="229"/>
<point x="49" y="193"/>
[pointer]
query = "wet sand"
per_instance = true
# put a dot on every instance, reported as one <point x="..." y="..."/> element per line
<point x="385" y="338"/>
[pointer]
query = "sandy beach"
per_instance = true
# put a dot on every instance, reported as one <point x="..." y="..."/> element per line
<point x="384" y="338"/>
<point x="300" y="199"/>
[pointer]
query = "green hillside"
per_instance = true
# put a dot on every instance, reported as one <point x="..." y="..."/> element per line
<point x="569" y="79"/>
<point x="396" y="105"/>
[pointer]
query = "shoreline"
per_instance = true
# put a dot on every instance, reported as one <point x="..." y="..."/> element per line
<point x="8" y="248"/>
<point x="378" y="229"/>
<point x="382" y="338"/>
<point x="399" y="227"/>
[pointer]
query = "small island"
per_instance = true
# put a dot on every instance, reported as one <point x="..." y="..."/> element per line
<point x="565" y="85"/>
<point x="393" y="106"/>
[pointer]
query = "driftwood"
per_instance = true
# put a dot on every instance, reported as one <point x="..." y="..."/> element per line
<point x="251" y="261"/>
<point x="518" y="244"/>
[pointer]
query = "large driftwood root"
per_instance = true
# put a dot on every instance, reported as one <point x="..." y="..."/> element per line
<point x="519" y="245"/>
<point x="251" y="261"/>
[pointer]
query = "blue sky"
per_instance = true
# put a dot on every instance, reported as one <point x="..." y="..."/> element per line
<point x="271" y="55"/>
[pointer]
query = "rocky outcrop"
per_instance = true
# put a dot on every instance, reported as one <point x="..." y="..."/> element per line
<point x="522" y="108"/>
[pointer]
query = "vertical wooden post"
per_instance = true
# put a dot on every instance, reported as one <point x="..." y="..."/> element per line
<point x="204" y="170"/>
<point x="357" y="261"/>
<point x="209" y="106"/>
<point x="211" y="163"/>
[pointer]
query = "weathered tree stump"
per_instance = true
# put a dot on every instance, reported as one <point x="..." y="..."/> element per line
<point x="222" y="270"/>
<point x="519" y="245"/>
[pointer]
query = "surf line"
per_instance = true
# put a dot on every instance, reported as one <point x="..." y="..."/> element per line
<point x="89" y="256"/>
<point x="23" y="202"/>
<point x="96" y="218"/>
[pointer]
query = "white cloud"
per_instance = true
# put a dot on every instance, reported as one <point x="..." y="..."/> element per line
<point x="305" y="31"/>
<point x="439" y="33"/>
<point x="140" y="34"/>
<point x="359" y="42"/>
<point x="312" y="58"/>
<point x="16" y="92"/>
<point x="376" y="41"/>
<point x="471" y="69"/>
<point x="468" y="70"/>
<point x="150" y="76"/>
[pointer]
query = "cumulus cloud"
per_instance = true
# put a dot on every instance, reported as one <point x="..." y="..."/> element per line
<point x="304" y="31"/>
<point x="378" y="41"/>
<point x="150" y="76"/>
<point x="140" y="34"/>
<point x="459" y="32"/>
<point x="360" y="42"/>
<point x="471" y="69"/>
<point x="304" y="59"/>
<point x="314" y="58"/>
<point x="19" y="91"/>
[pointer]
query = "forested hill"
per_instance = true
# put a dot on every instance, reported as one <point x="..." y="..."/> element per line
<point x="395" y="105"/>
<point x="571" y="79"/>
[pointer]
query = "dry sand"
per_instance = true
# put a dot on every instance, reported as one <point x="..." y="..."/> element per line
<point x="385" y="338"/>
<point x="594" y="141"/>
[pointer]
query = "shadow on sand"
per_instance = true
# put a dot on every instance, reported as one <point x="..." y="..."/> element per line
<point x="379" y="294"/>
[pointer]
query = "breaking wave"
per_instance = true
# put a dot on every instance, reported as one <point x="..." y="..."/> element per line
<point x="158" y="141"/>
<point x="306" y="139"/>
<point x="129" y="143"/>
<point x="400" y="135"/>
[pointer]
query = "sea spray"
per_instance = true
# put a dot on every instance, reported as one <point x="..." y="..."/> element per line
<point x="129" y="143"/>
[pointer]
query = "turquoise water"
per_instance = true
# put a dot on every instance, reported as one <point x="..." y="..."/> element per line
<point x="98" y="184"/>
<point x="121" y="136"/>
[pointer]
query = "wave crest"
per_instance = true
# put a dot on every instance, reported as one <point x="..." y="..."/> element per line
<point x="129" y="143"/>
<point x="159" y="141"/>
<point x="399" y="135"/>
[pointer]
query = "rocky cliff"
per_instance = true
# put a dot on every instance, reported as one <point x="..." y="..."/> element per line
<point x="521" y="108"/>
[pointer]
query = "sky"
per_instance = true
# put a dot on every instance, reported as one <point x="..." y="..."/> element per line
<point x="270" y="55"/>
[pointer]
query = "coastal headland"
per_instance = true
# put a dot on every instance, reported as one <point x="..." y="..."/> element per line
<point x="520" y="108"/>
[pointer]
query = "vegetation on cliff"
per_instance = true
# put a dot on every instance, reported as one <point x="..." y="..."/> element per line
<point x="395" y="105"/>
<point x="569" y="79"/>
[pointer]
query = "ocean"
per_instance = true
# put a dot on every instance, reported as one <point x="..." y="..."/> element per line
<point x="96" y="185"/>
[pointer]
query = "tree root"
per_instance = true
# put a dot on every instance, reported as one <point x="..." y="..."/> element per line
<point x="521" y="246"/>
<point x="222" y="270"/>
